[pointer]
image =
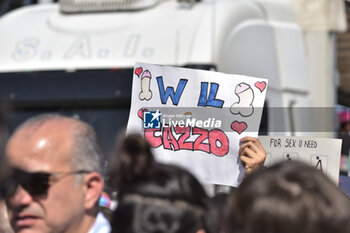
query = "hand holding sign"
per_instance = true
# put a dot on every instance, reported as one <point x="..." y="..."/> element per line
<point x="252" y="154"/>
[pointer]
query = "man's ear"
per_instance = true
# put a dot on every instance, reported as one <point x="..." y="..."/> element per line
<point x="93" y="183"/>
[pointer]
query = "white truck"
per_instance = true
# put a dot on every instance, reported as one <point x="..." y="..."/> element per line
<point x="77" y="55"/>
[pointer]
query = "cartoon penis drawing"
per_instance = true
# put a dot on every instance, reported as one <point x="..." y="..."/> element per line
<point x="244" y="105"/>
<point x="146" y="93"/>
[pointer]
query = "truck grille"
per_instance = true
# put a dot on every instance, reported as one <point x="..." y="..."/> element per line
<point x="80" y="6"/>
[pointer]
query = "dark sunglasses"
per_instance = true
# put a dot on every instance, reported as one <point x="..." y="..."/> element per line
<point x="36" y="183"/>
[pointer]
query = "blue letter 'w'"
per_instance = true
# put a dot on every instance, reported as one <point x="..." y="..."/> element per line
<point x="175" y="96"/>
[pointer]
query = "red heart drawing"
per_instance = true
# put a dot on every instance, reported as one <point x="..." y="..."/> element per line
<point x="260" y="85"/>
<point x="140" y="113"/>
<point x="239" y="127"/>
<point x="138" y="71"/>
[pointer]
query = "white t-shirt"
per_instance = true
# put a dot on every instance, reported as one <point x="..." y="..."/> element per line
<point x="101" y="225"/>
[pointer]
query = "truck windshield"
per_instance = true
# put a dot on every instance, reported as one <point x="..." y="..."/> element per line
<point x="99" y="97"/>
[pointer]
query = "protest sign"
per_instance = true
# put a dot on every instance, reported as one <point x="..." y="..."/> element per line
<point x="195" y="118"/>
<point x="321" y="153"/>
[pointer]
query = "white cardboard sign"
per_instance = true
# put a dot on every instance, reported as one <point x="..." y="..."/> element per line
<point x="322" y="153"/>
<point x="195" y="118"/>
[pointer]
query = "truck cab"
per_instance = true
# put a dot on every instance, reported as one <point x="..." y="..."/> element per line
<point x="76" y="57"/>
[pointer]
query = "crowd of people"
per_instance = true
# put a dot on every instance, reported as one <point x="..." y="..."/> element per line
<point x="51" y="179"/>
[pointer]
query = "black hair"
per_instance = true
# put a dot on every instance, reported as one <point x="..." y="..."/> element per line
<point x="288" y="197"/>
<point x="217" y="206"/>
<point x="153" y="197"/>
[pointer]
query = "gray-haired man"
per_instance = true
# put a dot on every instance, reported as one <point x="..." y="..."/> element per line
<point x="58" y="169"/>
